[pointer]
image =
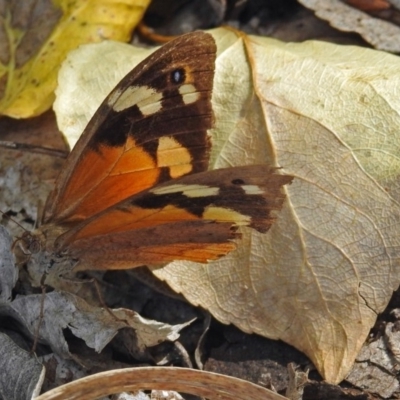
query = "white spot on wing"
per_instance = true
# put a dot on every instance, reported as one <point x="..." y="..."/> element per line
<point x="189" y="93"/>
<point x="114" y="97"/>
<point x="188" y="190"/>
<point x="252" y="189"/>
<point x="147" y="99"/>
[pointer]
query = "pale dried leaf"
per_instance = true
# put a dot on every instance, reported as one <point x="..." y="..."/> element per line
<point x="323" y="265"/>
<point x="79" y="83"/>
<point x="21" y="374"/>
<point x="330" y="263"/>
<point x="381" y="34"/>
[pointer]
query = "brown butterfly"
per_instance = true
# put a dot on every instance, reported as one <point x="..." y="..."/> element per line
<point x="135" y="190"/>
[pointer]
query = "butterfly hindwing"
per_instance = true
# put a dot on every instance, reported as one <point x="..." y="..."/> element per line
<point x="192" y="218"/>
<point x="150" y="129"/>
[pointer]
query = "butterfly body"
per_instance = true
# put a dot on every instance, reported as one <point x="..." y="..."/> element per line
<point x="135" y="190"/>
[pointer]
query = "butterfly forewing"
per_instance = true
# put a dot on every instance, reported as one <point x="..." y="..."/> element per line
<point x="150" y="129"/>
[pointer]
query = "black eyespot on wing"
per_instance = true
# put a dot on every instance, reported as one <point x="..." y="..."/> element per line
<point x="178" y="76"/>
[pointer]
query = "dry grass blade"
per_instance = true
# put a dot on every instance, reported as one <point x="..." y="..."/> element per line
<point x="200" y="383"/>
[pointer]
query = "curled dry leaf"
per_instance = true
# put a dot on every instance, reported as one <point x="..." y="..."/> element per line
<point x="381" y="34"/>
<point x="329" y="116"/>
<point x="36" y="36"/>
<point x="200" y="383"/>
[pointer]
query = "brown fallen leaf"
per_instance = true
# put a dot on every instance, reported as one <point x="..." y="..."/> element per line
<point x="36" y="36"/>
<point x="381" y="34"/>
<point x="328" y="115"/>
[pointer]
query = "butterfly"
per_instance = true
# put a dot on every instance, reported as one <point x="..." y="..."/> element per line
<point x="135" y="190"/>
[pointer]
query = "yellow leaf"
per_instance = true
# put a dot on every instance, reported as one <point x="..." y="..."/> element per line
<point x="329" y="115"/>
<point x="38" y="39"/>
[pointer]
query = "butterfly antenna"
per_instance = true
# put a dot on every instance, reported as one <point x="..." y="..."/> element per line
<point x="17" y="238"/>
<point x="7" y="216"/>
<point x="34" y="149"/>
<point x="39" y="214"/>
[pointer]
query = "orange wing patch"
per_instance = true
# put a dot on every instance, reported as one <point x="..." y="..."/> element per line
<point x="185" y="240"/>
<point x="128" y="172"/>
<point x="153" y="255"/>
<point x="123" y="220"/>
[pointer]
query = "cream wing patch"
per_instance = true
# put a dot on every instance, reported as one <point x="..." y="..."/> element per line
<point x="147" y="99"/>
<point x="226" y="215"/>
<point x="189" y="93"/>
<point x="188" y="190"/>
<point x="168" y="152"/>
<point x="252" y="189"/>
